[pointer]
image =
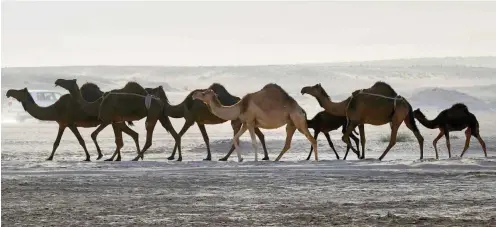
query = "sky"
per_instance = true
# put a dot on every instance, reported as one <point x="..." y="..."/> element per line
<point x="240" y="33"/>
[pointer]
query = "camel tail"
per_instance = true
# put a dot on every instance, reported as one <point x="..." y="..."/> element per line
<point x="130" y="123"/>
<point x="411" y="118"/>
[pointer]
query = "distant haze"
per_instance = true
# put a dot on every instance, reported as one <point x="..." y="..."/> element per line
<point x="241" y="33"/>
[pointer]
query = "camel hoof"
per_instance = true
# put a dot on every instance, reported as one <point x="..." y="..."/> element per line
<point x="118" y="159"/>
<point x="267" y="158"/>
<point x="179" y="159"/>
<point x="170" y="158"/>
<point x="240" y="160"/>
<point x="109" y="159"/>
<point x="207" y="159"/>
<point x="136" y="159"/>
<point x="49" y="159"/>
<point x="223" y="159"/>
<point x="87" y="160"/>
<point x="100" y="156"/>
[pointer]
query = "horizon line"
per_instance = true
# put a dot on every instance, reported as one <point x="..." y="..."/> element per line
<point x="252" y="65"/>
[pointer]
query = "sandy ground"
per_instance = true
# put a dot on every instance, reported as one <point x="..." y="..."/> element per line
<point x="399" y="191"/>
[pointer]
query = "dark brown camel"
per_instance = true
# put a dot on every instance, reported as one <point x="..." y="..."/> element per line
<point x="377" y="105"/>
<point x="325" y="122"/>
<point x="118" y="128"/>
<point x="130" y="87"/>
<point x="197" y="111"/>
<point x="65" y="111"/>
<point x="116" y="107"/>
<point x="455" y="118"/>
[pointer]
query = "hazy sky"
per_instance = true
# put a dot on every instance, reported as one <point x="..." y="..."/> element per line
<point x="241" y="33"/>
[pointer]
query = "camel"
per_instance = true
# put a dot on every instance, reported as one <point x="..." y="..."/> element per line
<point x="65" y="111"/>
<point x="196" y="111"/>
<point x="269" y="108"/>
<point x="377" y="105"/>
<point x="130" y="87"/>
<point x="325" y="122"/>
<point x="117" y="107"/>
<point x="455" y="118"/>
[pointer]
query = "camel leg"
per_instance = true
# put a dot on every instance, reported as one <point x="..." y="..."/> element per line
<point x="243" y="129"/>
<point x="125" y="129"/>
<point x="434" y="143"/>
<point x="394" y="132"/>
<point x="261" y="137"/>
<point x="57" y="141"/>
<point x="205" y="138"/>
<point x="236" y="125"/>
<point x="326" y="134"/>
<point x="446" y="135"/>
<point x="361" y="128"/>
<point x="420" y="138"/>
<point x="300" y="122"/>
<point x="74" y="130"/>
<point x="93" y="137"/>
<point x="357" y="141"/>
<point x="118" y="142"/>
<point x="166" y="123"/>
<point x="290" y="130"/>
<point x="315" y="135"/>
<point x="468" y="134"/>
<point x="187" y="124"/>
<point x="254" y="144"/>
<point x="347" y="146"/>
<point x="482" y="143"/>
<point x="346" y="138"/>
<point x="150" y="126"/>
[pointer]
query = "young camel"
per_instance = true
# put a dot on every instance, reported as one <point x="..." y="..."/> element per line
<point x="325" y="122"/>
<point x="455" y="118"/>
<point x="65" y="111"/>
<point x="196" y="111"/>
<point x="269" y="108"/>
<point x="117" y="107"/>
<point x="377" y="105"/>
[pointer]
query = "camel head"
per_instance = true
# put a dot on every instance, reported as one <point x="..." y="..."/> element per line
<point x="418" y="114"/>
<point x="21" y="95"/>
<point x="206" y="95"/>
<point x="67" y="84"/>
<point x="315" y="91"/>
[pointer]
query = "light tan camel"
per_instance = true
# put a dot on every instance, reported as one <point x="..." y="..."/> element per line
<point x="377" y="105"/>
<point x="269" y="108"/>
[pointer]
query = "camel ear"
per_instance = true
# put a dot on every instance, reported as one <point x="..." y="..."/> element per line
<point x="319" y="85"/>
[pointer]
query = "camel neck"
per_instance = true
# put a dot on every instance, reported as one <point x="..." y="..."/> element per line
<point x="41" y="113"/>
<point x="175" y="111"/>
<point x="334" y="108"/>
<point x="225" y="112"/>
<point x="90" y="108"/>
<point x="426" y="122"/>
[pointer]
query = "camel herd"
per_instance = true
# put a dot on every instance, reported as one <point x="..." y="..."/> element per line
<point x="269" y="108"/>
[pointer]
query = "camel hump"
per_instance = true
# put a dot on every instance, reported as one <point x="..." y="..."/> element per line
<point x="381" y="87"/>
<point x="224" y="96"/>
<point x="218" y="88"/>
<point x="459" y="106"/>
<point x="279" y="88"/>
<point x="90" y="92"/>
<point x="134" y="87"/>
